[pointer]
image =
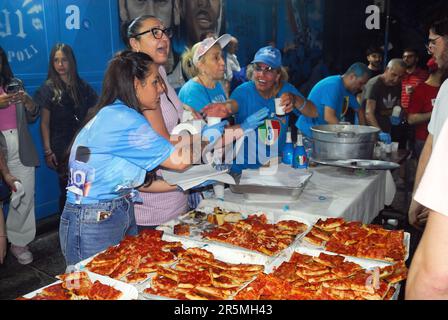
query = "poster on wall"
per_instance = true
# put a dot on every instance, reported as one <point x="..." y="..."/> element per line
<point x="22" y="34"/>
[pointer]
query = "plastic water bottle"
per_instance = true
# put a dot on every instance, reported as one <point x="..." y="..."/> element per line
<point x="300" y="160"/>
<point x="288" y="150"/>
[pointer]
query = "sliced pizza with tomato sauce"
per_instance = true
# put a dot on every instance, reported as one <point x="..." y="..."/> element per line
<point x="358" y="240"/>
<point x="324" y="277"/>
<point x="197" y="275"/>
<point x="255" y="233"/>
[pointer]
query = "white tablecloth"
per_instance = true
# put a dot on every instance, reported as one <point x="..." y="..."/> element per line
<point x="331" y="192"/>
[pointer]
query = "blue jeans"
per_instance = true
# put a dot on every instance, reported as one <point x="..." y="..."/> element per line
<point x="87" y="229"/>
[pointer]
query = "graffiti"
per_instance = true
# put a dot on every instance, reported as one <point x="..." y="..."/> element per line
<point x="18" y="22"/>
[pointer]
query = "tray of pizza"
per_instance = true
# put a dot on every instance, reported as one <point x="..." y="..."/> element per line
<point x="135" y="258"/>
<point x="311" y="274"/>
<point x="199" y="275"/>
<point x="260" y="232"/>
<point x="360" y="240"/>
<point x="84" y="285"/>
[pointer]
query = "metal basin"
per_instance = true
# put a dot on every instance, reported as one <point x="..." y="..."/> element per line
<point x="341" y="142"/>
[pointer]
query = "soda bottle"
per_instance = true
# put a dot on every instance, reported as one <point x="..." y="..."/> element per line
<point x="288" y="150"/>
<point x="300" y="160"/>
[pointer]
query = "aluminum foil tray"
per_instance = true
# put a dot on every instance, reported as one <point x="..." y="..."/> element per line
<point x="268" y="193"/>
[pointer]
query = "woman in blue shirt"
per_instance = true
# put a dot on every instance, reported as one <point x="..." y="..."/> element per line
<point x="111" y="156"/>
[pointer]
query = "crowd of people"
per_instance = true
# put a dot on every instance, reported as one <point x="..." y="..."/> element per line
<point x="105" y="147"/>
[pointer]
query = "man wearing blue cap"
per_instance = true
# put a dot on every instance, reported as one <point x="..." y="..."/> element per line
<point x="269" y="82"/>
<point x="333" y="96"/>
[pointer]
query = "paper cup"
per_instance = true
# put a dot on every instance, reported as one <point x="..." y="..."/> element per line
<point x="213" y="120"/>
<point x="218" y="188"/>
<point x="396" y="112"/>
<point x="279" y="109"/>
<point x="395" y="146"/>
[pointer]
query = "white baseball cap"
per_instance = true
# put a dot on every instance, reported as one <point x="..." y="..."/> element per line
<point x="207" y="43"/>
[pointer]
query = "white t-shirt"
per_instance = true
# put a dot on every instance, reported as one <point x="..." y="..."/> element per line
<point x="432" y="191"/>
<point x="440" y="112"/>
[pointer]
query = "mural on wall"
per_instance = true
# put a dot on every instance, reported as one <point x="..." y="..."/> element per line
<point x="296" y="26"/>
<point x="191" y="20"/>
<point x="303" y="55"/>
<point x="22" y="34"/>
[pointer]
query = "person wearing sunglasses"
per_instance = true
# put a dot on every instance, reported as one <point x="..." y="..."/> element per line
<point x="269" y="81"/>
<point x="438" y="47"/>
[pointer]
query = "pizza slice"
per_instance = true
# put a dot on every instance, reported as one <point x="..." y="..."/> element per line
<point x="395" y="273"/>
<point x="312" y="239"/>
<point x="379" y="292"/>
<point x="301" y="259"/>
<point x="182" y="229"/>
<point x="105" y="269"/>
<point x="225" y="282"/>
<point x="329" y="260"/>
<point x="335" y="294"/>
<point x="55" y="292"/>
<point x="365" y="282"/>
<point x="346" y="269"/>
<point x="337" y="247"/>
<point x="163" y="283"/>
<point x="100" y="291"/>
<point x="136" y="277"/>
<point x="390" y="294"/>
<point x="330" y="224"/>
<point x="338" y="284"/>
<point x="77" y="283"/>
<point x="290" y="225"/>
<point x="321" y="234"/>
<point x="287" y="271"/>
<point x="208" y="293"/>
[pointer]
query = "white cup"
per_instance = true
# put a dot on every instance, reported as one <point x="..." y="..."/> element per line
<point x="396" y="111"/>
<point x="395" y="146"/>
<point x="218" y="188"/>
<point x="279" y="109"/>
<point x="213" y="120"/>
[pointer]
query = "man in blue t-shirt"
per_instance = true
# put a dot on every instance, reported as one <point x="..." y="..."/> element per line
<point x="333" y="96"/>
<point x="266" y="85"/>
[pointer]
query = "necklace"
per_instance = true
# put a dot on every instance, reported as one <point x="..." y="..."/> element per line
<point x="205" y="88"/>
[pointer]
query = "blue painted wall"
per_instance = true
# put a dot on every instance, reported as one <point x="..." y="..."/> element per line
<point x="28" y="30"/>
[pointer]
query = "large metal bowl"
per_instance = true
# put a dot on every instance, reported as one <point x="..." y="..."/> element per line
<point x="341" y="142"/>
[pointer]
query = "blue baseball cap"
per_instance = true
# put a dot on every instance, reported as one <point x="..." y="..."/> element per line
<point x="270" y="56"/>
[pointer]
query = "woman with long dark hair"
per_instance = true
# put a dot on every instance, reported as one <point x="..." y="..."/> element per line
<point x="17" y="109"/>
<point x="112" y="155"/>
<point x="64" y="99"/>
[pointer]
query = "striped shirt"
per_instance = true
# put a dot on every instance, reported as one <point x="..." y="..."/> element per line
<point x="412" y="79"/>
<point x="158" y="208"/>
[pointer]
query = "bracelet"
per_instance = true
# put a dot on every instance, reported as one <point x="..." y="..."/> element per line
<point x="48" y="151"/>
<point x="303" y="105"/>
<point x="3" y="236"/>
<point x="50" y="154"/>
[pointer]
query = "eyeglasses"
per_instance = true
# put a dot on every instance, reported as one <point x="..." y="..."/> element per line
<point x="156" y="32"/>
<point x="258" y="68"/>
<point x="431" y="44"/>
